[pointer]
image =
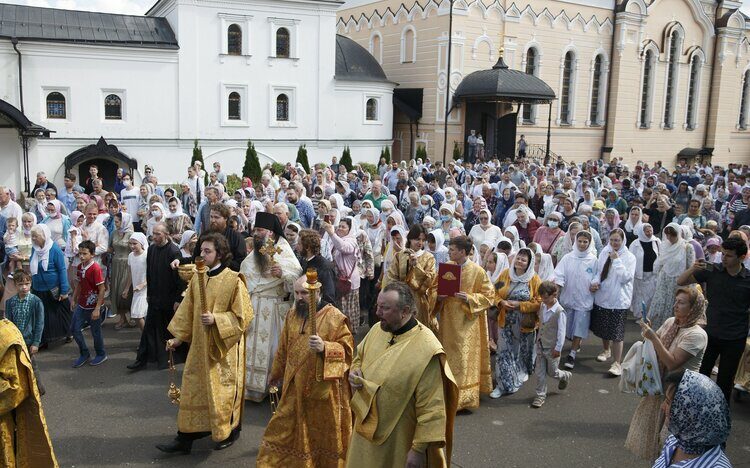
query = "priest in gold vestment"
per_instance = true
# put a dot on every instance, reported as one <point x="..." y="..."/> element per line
<point x="213" y="379"/>
<point x="313" y="423"/>
<point x="416" y="268"/>
<point x="463" y="326"/>
<point x="405" y="396"/>
<point x="24" y="440"/>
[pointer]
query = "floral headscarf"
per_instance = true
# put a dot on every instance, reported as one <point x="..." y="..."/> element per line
<point x="699" y="416"/>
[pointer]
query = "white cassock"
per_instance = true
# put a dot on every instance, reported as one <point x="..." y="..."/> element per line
<point x="268" y="295"/>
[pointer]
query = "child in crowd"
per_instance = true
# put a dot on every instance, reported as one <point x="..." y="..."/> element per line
<point x="549" y="343"/>
<point x="713" y="250"/>
<point x="89" y="296"/>
<point x="10" y="239"/>
<point x="26" y="311"/>
<point x="137" y="278"/>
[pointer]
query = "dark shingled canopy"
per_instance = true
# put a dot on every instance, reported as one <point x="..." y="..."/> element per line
<point x="501" y="84"/>
<point x="355" y="63"/>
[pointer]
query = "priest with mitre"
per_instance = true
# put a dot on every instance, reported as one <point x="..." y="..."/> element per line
<point x="213" y="319"/>
<point x="463" y="326"/>
<point x="270" y="271"/>
<point x="405" y="396"/>
<point x="312" y="424"/>
<point x="24" y="440"/>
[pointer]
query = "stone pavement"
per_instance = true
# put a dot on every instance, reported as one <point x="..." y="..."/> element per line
<point x="105" y="416"/>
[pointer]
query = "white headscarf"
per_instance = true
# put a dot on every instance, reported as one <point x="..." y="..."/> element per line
<point x="517" y="244"/>
<point x="629" y="226"/>
<point x="141" y="239"/>
<point x="672" y="257"/>
<point x="546" y="269"/>
<point x="41" y="255"/>
<point x="528" y="274"/>
<point x="127" y="222"/>
<point x="186" y="236"/>
<point x="501" y="264"/>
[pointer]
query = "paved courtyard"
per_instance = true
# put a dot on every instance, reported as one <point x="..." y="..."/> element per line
<point x="105" y="416"/>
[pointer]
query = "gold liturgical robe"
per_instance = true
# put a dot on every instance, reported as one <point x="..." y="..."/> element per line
<point x="408" y="400"/>
<point x="463" y="333"/>
<point x="422" y="280"/>
<point x="213" y="379"/>
<point x="313" y="422"/>
<point x="24" y="440"/>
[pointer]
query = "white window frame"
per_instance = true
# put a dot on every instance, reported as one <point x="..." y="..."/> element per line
<point x="572" y="88"/>
<point x="602" y="96"/>
<point x="413" y="58"/>
<point x="292" y="25"/>
<point x="242" y="90"/>
<point x="291" y="93"/>
<point x="697" y="98"/>
<point x="122" y="94"/>
<point x="650" y="96"/>
<point x="746" y="98"/>
<point x="537" y="68"/>
<point x="244" y="22"/>
<point x="379" y="101"/>
<point x="46" y="90"/>
<point x="676" y="81"/>
<point x="379" y="55"/>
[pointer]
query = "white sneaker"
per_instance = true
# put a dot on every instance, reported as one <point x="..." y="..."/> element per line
<point x="496" y="393"/>
<point x="604" y="356"/>
<point x="615" y="369"/>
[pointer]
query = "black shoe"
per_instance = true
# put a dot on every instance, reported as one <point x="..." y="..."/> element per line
<point x="233" y="436"/>
<point x="137" y="365"/>
<point x="570" y="362"/>
<point x="176" y="446"/>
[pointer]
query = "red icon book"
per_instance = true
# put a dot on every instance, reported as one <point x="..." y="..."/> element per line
<point x="449" y="279"/>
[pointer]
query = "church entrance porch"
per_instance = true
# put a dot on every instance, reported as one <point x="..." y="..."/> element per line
<point x="107" y="159"/>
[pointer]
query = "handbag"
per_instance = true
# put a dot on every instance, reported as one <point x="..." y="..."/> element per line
<point x="528" y="321"/>
<point x="343" y="283"/>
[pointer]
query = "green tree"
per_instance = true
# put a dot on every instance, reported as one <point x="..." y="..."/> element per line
<point x="198" y="156"/>
<point x="251" y="168"/>
<point x="386" y="153"/>
<point x="302" y="158"/>
<point x="421" y="153"/>
<point x="456" y="151"/>
<point x="346" y="159"/>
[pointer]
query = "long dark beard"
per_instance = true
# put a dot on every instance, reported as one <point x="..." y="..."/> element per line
<point x="302" y="309"/>
<point x="259" y="257"/>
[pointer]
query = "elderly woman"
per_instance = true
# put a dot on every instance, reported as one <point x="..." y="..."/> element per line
<point x="484" y="230"/>
<point x="158" y="214"/>
<point x="610" y="223"/>
<point x="518" y="303"/>
<point x="49" y="281"/>
<point x="661" y="215"/>
<point x="176" y="219"/>
<point x="119" y="273"/>
<point x="698" y="419"/>
<point x="679" y="344"/>
<point x="547" y="235"/>
<point x="345" y="253"/>
<point x="675" y="256"/>
<point x="613" y="292"/>
<point x="631" y="224"/>
<point x="646" y="251"/>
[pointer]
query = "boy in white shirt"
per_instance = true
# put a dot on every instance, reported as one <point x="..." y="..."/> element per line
<point x="549" y="343"/>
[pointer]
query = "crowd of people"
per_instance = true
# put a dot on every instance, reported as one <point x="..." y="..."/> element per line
<point x="547" y="254"/>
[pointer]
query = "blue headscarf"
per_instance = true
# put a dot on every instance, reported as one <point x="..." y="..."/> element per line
<point x="699" y="415"/>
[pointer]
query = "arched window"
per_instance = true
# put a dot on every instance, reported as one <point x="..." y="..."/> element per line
<point x="283" y="43"/>
<point x="235" y="112"/>
<point x="113" y="107"/>
<point x="649" y="64"/>
<point x="376" y="47"/>
<point x="595" y="116"/>
<point x="566" y="104"/>
<point x="744" y="100"/>
<point x="371" y="111"/>
<point x="234" y="40"/>
<point x="408" y="46"/>
<point x="673" y="61"/>
<point x="55" y="106"/>
<point x="532" y="68"/>
<point x="282" y="108"/>
<point x="692" y="104"/>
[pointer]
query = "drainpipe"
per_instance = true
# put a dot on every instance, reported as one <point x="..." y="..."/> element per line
<point x="609" y="88"/>
<point x="24" y="138"/>
<point x="448" y="83"/>
<point x="14" y="41"/>
<point x="711" y="81"/>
